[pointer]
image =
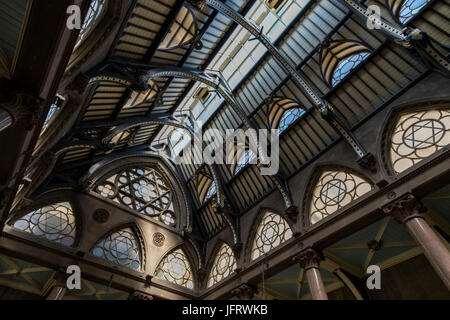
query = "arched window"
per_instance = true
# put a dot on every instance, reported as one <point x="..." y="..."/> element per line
<point x="333" y="191"/>
<point x="272" y="231"/>
<point x="176" y="269"/>
<point x="247" y="157"/>
<point x="54" y="222"/>
<point x="223" y="266"/>
<point x="411" y="8"/>
<point x="120" y="247"/>
<point x="339" y="57"/>
<point x="211" y="191"/>
<point x="144" y="189"/>
<point x="96" y="10"/>
<point x="347" y="65"/>
<point x="52" y="112"/>
<point x="289" y="118"/>
<point x="418" y="135"/>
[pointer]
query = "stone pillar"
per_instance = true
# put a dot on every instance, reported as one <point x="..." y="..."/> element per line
<point x="408" y="212"/>
<point x="309" y="260"/>
<point x="245" y="292"/>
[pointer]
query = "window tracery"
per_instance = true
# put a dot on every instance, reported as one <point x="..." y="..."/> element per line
<point x="333" y="191"/>
<point x="223" y="266"/>
<point x="144" y="189"/>
<point x="175" y="268"/>
<point x="54" y="222"/>
<point x="272" y="231"/>
<point x="417" y="136"/>
<point x="289" y="118"/>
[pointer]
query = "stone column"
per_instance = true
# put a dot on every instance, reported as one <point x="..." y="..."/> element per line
<point x="245" y="292"/>
<point x="309" y="260"/>
<point x="408" y="212"/>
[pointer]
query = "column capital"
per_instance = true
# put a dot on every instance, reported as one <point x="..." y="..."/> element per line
<point x="140" y="295"/>
<point x="245" y="291"/>
<point x="308" y="258"/>
<point x="405" y="208"/>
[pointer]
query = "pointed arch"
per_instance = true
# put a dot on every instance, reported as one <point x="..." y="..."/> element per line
<point x="283" y="112"/>
<point x="223" y="266"/>
<point x="271" y="230"/>
<point x="338" y="58"/>
<point x="55" y="222"/>
<point x="331" y="189"/>
<point x="176" y="268"/>
<point x="123" y="246"/>
<point x="416" y="134"/>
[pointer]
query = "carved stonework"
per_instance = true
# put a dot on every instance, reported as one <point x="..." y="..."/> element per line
<point x="245" y="291"/>
<point x="308" y="259"/>
<point x="101" y="215"/>
<point x="237" y="249"/>
<point x="405" y="209"/>
<point x="139" y="295"/>
<point x="158" y="239"/>
<point x="292" y="212"/>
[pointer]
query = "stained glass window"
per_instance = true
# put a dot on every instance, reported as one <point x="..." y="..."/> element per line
<point x="247" y="157"/>
<point x="334" y="190"/>
<point x="289" y="117"/>
<point x="55" y="223"/>
<point x="272" y="231"/>
<point x="144" y="189"/>
<point x="176" y="269"/>
<point x="120" y="247"/>
<point x="223" y="266"/>
<point x="346" y="66"/>
<point x="410" y="8"/>
<point x="95" y="11"/>
<point x="211" y="191"/>
<point x="417" y="136"/>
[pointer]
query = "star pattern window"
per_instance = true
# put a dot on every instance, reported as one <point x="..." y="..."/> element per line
<point x="272" y="231"/>
<point x="54" y="222"/>
<point x="175" y="268"/>
<point x="142" y="189"/>
<point x="120" y="247"/>
<point x="333" y="191"/>
<point x="223" y="266"/>
<point x="417" y="136"/>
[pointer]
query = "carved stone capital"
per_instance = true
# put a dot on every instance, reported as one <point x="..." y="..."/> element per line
<point x="244" y="291"/>
<point x="405" y="209"/>
<point x="139" y="295"/>
<point x="308" y="259"/>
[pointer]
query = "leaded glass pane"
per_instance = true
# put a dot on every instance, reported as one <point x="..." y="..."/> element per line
<point x="410" y="8"/>
<point x="55" y="223"/>
<point x="417" y="136"/>
<point x="224" y="265"/>
<point x="346" y="66"/>
<point x="95" y="10"/>
<point x="272" y="231"/>
<point x="289" y="118"/>
<point x="120" y="247"/>
<point x="143" y="189"/>
<point x="176" y="269"/>
<point x="211" y="191"/>
<point x="334" y="190"/>
<point x="244" y="160"/>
